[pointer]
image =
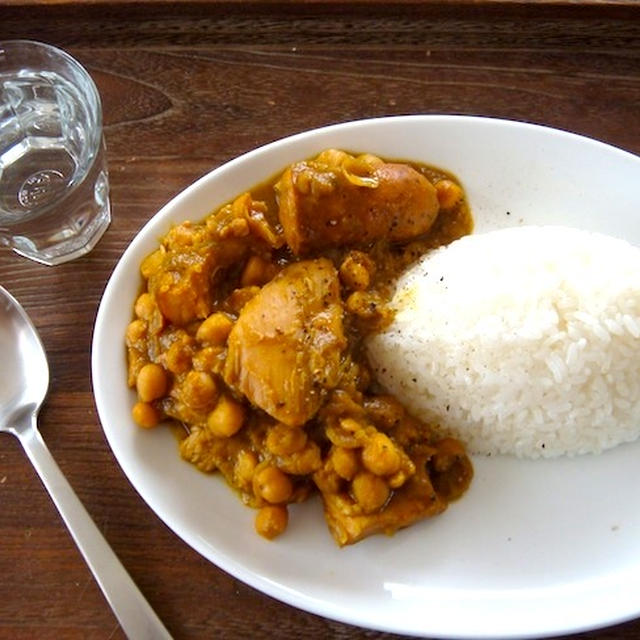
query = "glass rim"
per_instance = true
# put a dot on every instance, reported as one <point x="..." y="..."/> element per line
<point x="63" y="55"/>
<point x="87" y="87"/>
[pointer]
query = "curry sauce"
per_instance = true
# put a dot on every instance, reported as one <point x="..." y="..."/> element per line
<point x="250" y="330"/>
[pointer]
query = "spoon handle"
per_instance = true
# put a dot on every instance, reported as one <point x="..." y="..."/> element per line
<point x="135" y="615"/>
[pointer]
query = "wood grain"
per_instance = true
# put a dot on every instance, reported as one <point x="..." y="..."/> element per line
<point x="186" y="88"/>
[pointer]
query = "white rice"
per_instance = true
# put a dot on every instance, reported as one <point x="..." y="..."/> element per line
<point x="523" y="341"/>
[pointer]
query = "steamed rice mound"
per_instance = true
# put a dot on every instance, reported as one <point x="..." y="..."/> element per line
<point x="522" y="341"/>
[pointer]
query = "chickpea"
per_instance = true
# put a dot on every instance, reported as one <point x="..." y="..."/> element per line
<point x="151" y="382"/>
<point x="366" y="304"/>
<point x="354" y="276"/>
<point x="178" y="301"/>
<point x="215" y="329"/>
<point x="145" y="415"/>
<point x="449" y="193"/>
<point x="178" y="356"/>
<point x="345" y="462"/>
<point x="283" y="440"/>
<point x="380" y="456"/>
<point x="257" y="271"/>
<point x="145" y="306"/>
<point x="371" y="492"/>
<point x="135" y="332"/>
<point x="199" y="390"/>
<point x="356" y="270"/>
<point x="271" y="521"/>
<point x="245" y="465"/>
<point x="227" y="418"/>
<point x="272" y="485"/>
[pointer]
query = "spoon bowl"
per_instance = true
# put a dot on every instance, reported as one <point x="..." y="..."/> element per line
<point x="22" y="388"/>
<point x="24" y="381"/>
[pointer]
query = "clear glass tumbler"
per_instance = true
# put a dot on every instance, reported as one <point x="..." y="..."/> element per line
<point x="54" y="187"/>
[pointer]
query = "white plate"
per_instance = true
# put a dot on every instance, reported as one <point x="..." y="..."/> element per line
<point x="536" y="547"/>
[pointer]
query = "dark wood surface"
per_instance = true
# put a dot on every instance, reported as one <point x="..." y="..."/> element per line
<point x="186" y="88"/>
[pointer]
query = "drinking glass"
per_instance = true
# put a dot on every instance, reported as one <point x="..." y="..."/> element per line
<point x="54" y="188"/>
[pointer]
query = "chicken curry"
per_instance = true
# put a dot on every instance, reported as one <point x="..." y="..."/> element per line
<point x="249" y="335"/>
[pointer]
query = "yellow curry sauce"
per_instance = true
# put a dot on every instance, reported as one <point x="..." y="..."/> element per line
<point x="249" y="333"/>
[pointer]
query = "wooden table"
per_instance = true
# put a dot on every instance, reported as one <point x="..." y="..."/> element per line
<point x="185" y="88"/>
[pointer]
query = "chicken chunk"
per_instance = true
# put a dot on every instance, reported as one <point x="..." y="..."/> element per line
<point x="284" y="351"/>
<point x="348" y="524"/>
<point x="181" y="273"/>
<point x="336" y="200"/>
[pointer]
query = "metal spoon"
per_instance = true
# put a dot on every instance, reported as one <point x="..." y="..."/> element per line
<point x="24" y="380"/>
